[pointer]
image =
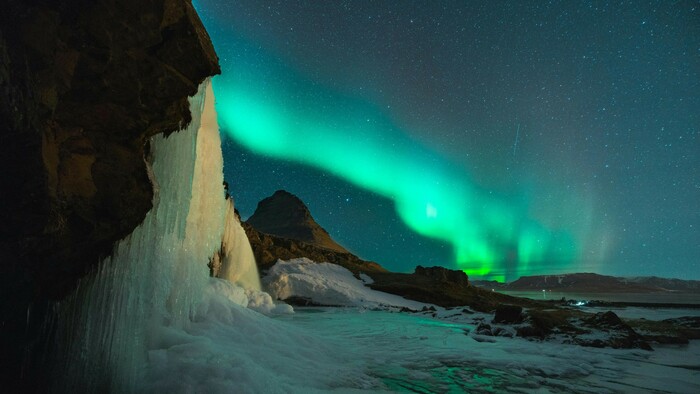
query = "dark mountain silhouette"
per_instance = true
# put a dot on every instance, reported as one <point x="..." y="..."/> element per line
<point x="285" y="215"/>
<point x="590" y="282"/>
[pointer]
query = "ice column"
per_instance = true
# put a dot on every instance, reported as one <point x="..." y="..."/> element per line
<point x="237" y="261"/>
<point x="157" y="274"/>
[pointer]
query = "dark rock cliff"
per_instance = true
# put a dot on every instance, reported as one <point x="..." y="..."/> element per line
<point x="83" y="85"/>
<point x="443" y="274"/>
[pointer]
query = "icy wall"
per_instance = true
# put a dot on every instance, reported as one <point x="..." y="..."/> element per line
<point x="238" y="262"/>
<point x="157" y="274"/>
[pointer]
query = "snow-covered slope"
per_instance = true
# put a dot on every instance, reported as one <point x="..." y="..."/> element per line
<point x="327" y="284"/>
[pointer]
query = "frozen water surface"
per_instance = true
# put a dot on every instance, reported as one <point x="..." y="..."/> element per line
<point x="415" y="353"/>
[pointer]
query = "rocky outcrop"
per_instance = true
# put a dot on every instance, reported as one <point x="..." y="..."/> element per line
<point x="285" y="215"/>
<point x="568" y="326"/>
<point x="443" y="274"/>
<point x="508" y="314"/>
<point x="269" y="248"/>
<point x="620" y="334"/>
<point x="444" y="287"/>
<point x="83" y="85"/>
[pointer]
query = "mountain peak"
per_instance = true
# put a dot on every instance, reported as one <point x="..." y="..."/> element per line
<point x="283" y="214"/>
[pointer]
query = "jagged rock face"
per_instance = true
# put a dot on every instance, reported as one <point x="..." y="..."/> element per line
<point x="444" y="275"/>
<point x="622" y="336"/>
<point x="433" y="288"/>
<point x="83" y="85"/>
<point x="285" y="215"/>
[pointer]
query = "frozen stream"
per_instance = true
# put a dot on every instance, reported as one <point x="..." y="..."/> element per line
<point x="414" y="353"/>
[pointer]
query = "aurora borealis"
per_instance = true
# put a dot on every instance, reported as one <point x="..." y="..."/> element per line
<point x="501" y="139"/>
<point x="358" y="144"/>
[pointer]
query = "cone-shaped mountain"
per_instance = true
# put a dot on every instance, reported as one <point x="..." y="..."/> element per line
<point x="285" y="215"/>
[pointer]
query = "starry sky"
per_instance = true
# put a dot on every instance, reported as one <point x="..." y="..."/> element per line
<point x="501" y="138"/>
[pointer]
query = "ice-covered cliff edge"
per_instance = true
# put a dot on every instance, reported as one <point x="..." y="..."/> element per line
<point x="235" y="261"/>
<point x="156" y="274"/>
<point x="83" y="87"/>
<point x="151" y="319"/>
<point x="157" y="281"/>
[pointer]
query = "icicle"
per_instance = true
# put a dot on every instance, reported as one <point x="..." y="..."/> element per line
<point x="156" y="274"/>
<point x="238" y="262"/>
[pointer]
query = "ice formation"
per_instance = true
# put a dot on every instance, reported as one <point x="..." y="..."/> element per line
<point x="157" y="274"/>
<point x="238" y="263"/>
<point x="235" y="263"/>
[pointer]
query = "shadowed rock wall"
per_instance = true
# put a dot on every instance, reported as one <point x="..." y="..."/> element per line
<point x="83" y="85"/>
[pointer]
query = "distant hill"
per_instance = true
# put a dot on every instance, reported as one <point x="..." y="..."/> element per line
<point x="285" y="215"/>
<point x="594" y="283"/>
<point x="689" y="286"/>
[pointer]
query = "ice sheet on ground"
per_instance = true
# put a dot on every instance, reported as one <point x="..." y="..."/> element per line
<point x="410" y="352"/>
<point x="229" y="348"/>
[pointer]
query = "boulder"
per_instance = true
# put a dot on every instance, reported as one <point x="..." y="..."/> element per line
<point x="444" y="275"/>
<point x="508" y="314"/>
<point x="619" y="335"/>
<point x="483" y="329"/>
<point x="606" y="320"/>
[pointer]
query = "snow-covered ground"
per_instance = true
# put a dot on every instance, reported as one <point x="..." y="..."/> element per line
<point x="413" y="352"/>
<point x="370" y="346"/>
<point x="230" y="348"/>
<point x="327" y="284"/>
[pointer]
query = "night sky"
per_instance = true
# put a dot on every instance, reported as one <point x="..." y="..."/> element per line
<point x="502" y="138"/>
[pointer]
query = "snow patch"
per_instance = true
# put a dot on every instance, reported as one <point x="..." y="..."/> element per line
<point x="327" y="284"/>
<point x="366" y="279"/>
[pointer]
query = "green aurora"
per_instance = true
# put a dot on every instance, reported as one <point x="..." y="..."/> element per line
<point x="274" y="111"/>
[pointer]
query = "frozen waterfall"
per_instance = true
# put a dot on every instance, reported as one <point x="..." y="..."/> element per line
<point x="237" y="260"/>
<point x="158" y="273"/>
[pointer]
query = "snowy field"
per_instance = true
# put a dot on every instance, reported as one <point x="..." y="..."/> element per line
<point x="421" y="354"/>
<point x="231" y="348"/>
<point x="369" y="345"/>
